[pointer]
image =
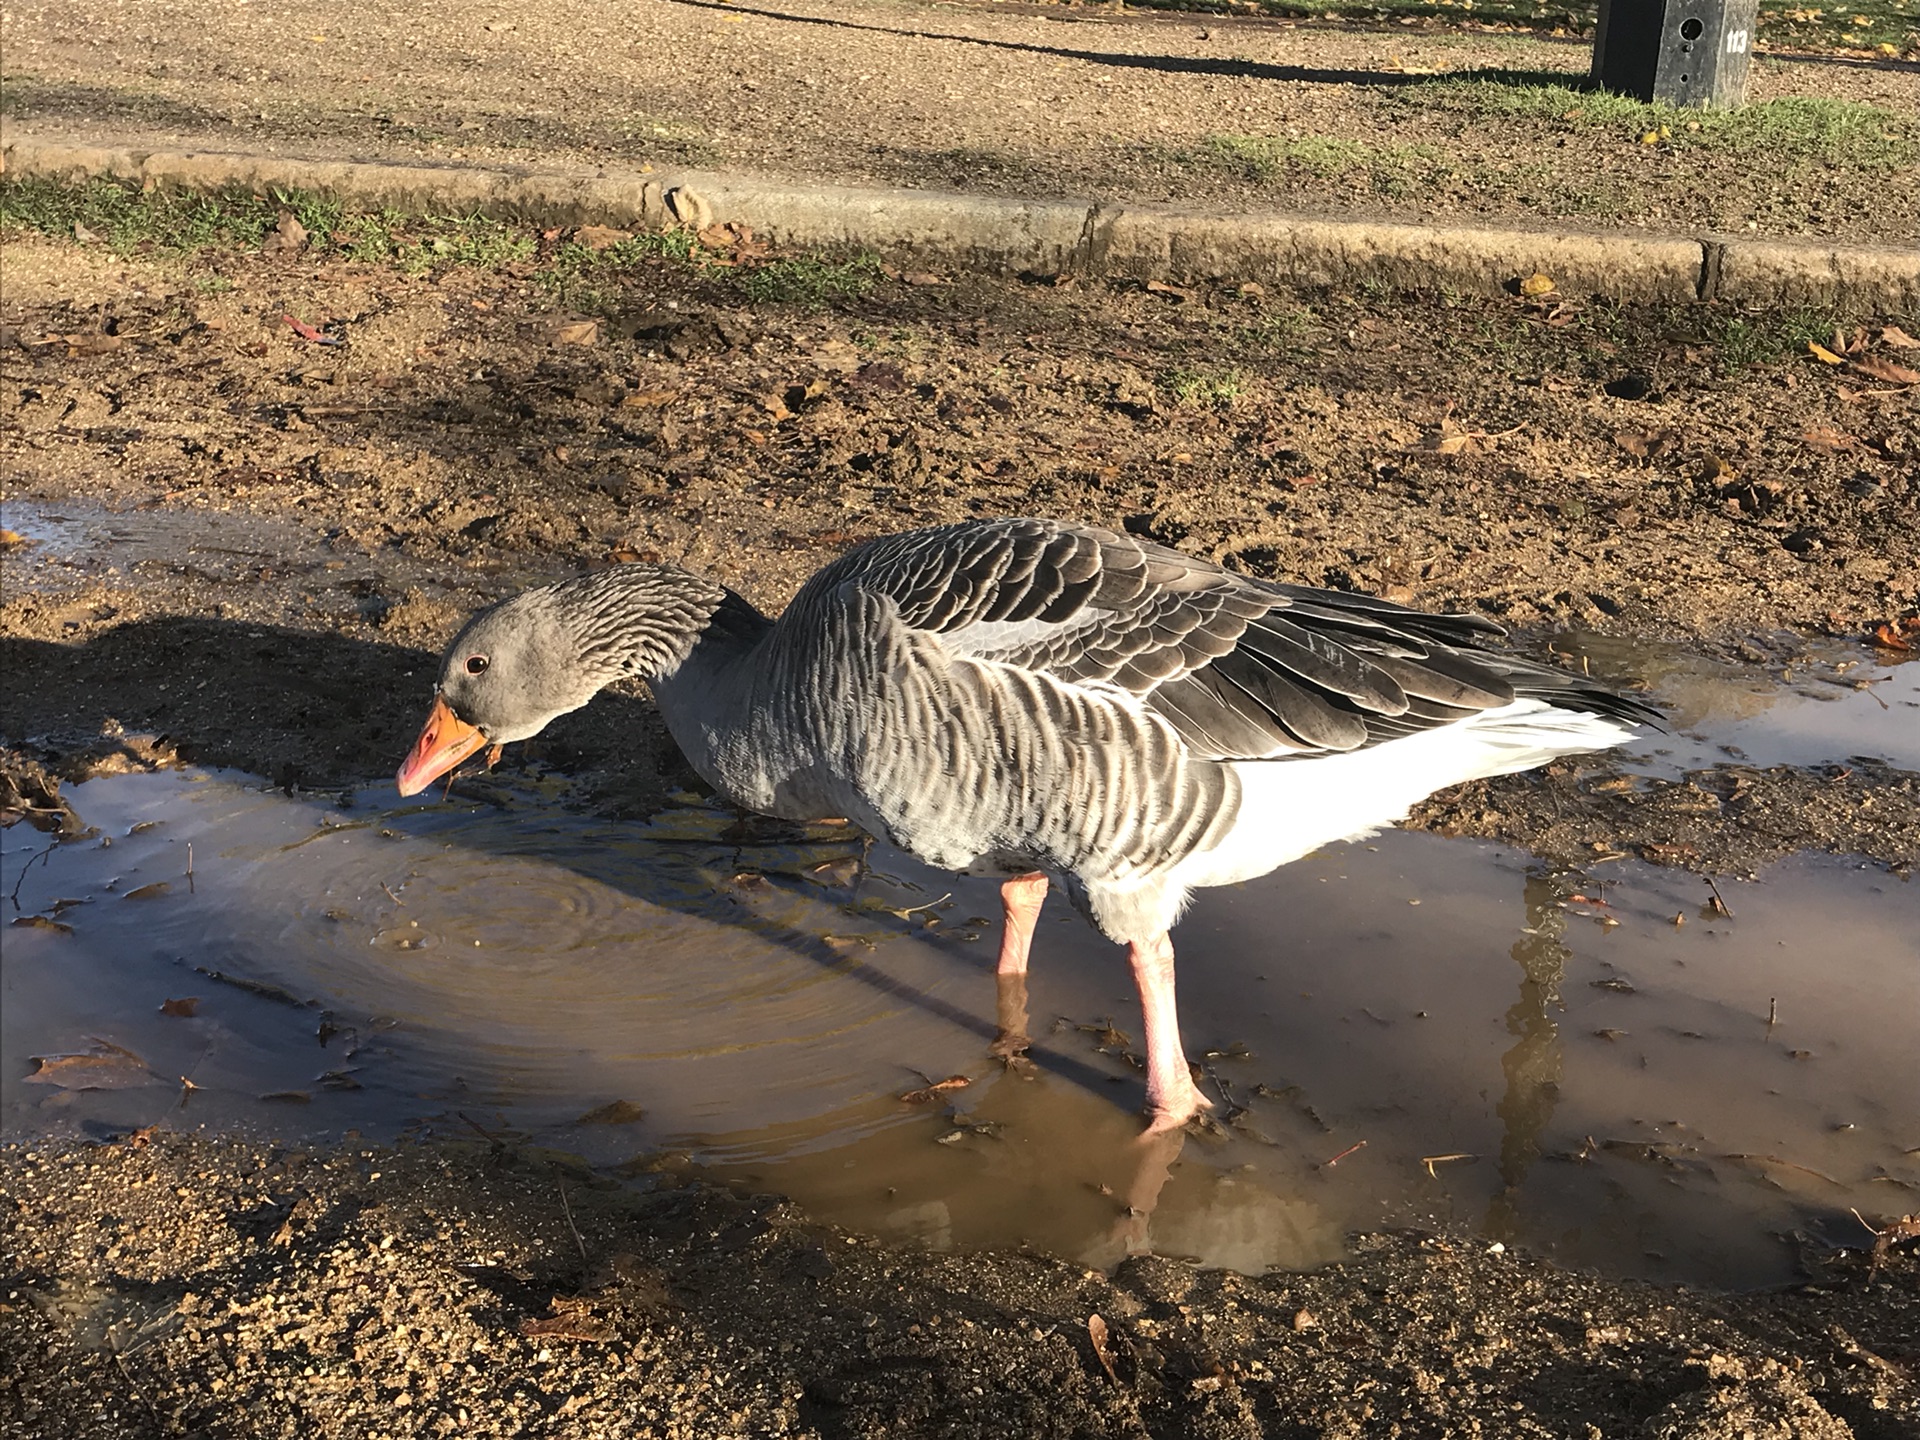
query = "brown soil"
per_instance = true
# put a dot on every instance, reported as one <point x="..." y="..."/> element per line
<point x="1445" y="455"/>
<point x="180" y="1286"/>
<point x="337" y="509"/>
<point x="1098" y="103"/>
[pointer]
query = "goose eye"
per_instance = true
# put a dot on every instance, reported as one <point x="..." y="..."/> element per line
<point x="476" y="664"/>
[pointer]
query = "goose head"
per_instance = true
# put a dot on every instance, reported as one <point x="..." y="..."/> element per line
<point x="517" y="666"/>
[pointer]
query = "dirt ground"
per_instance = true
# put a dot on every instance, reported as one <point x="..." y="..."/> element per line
<point x="185" y="1286"/>
<point x="1096" y="102"/>
<point x="1691" y="475"/>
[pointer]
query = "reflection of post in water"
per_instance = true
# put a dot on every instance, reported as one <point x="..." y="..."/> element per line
<point x="1532" y="1062"/>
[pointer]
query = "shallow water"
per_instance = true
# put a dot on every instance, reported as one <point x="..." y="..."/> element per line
<point x="1589" y="1079"/>
<point x="1409" y="1030"/>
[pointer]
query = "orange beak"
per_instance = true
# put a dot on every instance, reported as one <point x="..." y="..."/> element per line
<point x="445" y="740"/>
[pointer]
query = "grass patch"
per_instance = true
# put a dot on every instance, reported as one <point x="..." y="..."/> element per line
<point x="1280" y="331"/>
<point x="1837" y="132"/>
<point x="1746" y="340"/>
<point x="168" y="222"/>
<point x="1265" y="157"/>
<point x="1888" y="27"/>
<point x="810" y="281"/>
<point x="237" y="221"/>
<point x="1205" y="387"/>
<point x="594" y="282"/>
<point x="1387" y="170"/>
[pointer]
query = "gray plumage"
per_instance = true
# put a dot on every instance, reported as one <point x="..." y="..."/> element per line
<point x="1013" y="692"/>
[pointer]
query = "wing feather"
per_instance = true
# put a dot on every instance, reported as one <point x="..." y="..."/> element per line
<point x="1241" y="668"/>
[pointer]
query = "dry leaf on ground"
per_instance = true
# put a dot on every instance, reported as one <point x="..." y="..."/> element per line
<point x="600" y="237"/>
<point x="614" y="1112"/>
<point x="288" y="237"/>
<point x="1825" y="437"/>
<point x="579" y="332"/>
<point x="934" y="1088"/>
<point x="1883" y="369"/>
<point x="571" y="1320"/>
<point x="1097" y="1333"/>
<point x="106" y="1066"/>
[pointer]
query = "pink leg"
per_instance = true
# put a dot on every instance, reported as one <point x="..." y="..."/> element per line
<point x="1172" y="1097"/>
<point x="1022" y="897"/>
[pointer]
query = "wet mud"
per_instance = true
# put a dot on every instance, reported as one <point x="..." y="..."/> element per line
<point x="230" y="548"/>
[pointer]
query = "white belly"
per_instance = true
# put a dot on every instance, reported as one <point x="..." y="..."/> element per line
<point x="1290" y="808"/>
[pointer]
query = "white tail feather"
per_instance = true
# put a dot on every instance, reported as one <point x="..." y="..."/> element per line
<point x="1289" y="808"/>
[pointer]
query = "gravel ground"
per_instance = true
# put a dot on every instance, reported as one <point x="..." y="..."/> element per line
<point x="1690" y="474"/>
<point x="177" y="1285"/>
<point x="1103" y="104"/>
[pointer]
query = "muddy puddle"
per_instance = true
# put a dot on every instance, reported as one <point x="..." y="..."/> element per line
<point x="1604" y="1065"/>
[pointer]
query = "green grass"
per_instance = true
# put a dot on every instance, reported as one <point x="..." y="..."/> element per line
<point x="1390" y="171"/>
<point x="237" y="221"/>
<point x="1205" y="387"/>
<point x="594" y="282"/>
<point x="171" y="222"/>
<point x="1836" y="132"/>
<point x="1747" y="340"/>
<point x="1891" y="27"/>
<point x="1265" y="158"/>
<point x="812" y="282"/>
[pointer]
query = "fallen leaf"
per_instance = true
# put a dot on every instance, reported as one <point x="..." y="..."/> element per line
<point x="12" y="539"/>
<point x="1173" y="292"/>
<point x="600" y="237"/>
<point x="106" y="1066"/>
<point x="933" y="1088"/>
<point x="1886" y="370"/>
<point x="185" y="1008"/>
<point x="1828" y="439"/>
<point x="650" y="399"/>
<point x="83" y="234"/>
<point x="1823" y="354"/>
<point x="1899" y="339"/>
<point x="1892" y="634"/>
<point x="42" y="922"/>
<point x="1455" y="439"/>
<point x="288" y="236"/>
<point x="308" y="333"/>
<point x="149" y="892"/>
<point x="1717" y="469"/>
<point x="579" y="332"/>
<point x="1097" y="1333"/>
<point x="614" y="1112"/>
<point x="882" y="375"/>
<point x="571" y="1320"/>
<point x="1537" y="284"/>
<point x="92" y="344"/>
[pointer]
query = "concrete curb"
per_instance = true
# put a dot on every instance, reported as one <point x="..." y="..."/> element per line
<point x="1144" y="242"/>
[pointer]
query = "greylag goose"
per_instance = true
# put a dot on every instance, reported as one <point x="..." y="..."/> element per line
<point x="1042" y="698"/>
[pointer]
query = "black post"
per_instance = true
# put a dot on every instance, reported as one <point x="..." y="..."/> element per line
<point x="1681" y="52"/>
